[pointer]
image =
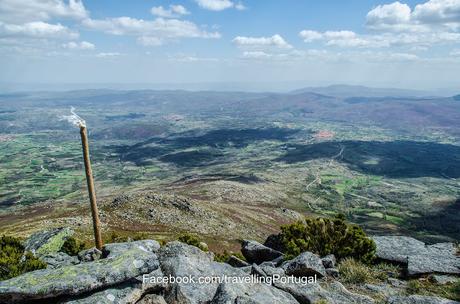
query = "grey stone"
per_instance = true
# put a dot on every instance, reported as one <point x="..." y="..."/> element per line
<point x="151" y="281"/>
<point x="179" y="260"/>
<point x="77" y="279"/>
<point x="333" y="272"/>
<point x="329" y="261"/>
<point x="312" y="292"/>
<point x="255" y="252"/>
<point x="89" y="255"/>
<point x="420" y="258"/>
<point x="152" y="299"/>
<point x="305" y="264"/>
<point x="250" y="293"/>
<point x="122" y="294"/>
<point x="59" y="259"/>
<point x="272" y="271"/>
<point x="48" y="241"/>
<point x="115" y="249"/>
<point x="236" y="262"/>
<point x="416" y="299"/>
<point x="444" y="279"/>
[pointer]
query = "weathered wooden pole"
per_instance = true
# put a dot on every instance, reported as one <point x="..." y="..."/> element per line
<point x="91" y="189"/>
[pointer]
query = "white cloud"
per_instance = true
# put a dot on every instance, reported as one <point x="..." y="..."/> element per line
<point x="83" y="45"/>
<point x="174" y="11"/>
<point x="455" y="53"/>
<point x="256" y="55"/>
<point x="438" y="11"/>
<point x="22" y="11"/>
<point x="108" y="55"/>
<point x="275" y="41"/>
<point x="429" y="16"/>
<point x="240" y="6"/>
<point x="37" y="29"/>
<point x="395" y="15"/>
<point x="149" y="41"/>
<point x="219" y="5"/>
<point x="309" y="36"/>
<point x="149" y="31"/>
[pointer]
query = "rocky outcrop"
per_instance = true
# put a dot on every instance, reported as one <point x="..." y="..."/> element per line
<point x="59" y="259"/>
<point x="180" y="260"/>
<point x="418" y="257"/>
<point x="236" y="262"/>
<point x="416" y="299"/>
<point x="142" y="272"/>
<point x="48" y="241"/>
<point x="304" y="265"/>
<point x="77" y="279"/>
<point x="255" y="252"/>
<point x="89" y="255"/>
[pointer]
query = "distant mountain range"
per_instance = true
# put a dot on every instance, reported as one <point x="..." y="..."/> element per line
<point x="344" y="91"/>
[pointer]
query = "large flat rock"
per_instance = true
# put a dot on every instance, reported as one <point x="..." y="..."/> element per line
<point x="77" y="279"/>
<point x="419" y="257"/>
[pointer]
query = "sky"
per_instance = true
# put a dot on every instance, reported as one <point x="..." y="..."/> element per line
<point x="230" y="44"/>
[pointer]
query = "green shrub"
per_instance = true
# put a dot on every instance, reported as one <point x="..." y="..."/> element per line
<point x="14" y="261"/>
<point x="116" y="237"/>
<point x="325" y="236"/>
<point x="223" y="257"/>
<point x="192" y="240"/>
<point x="72" y="246"/>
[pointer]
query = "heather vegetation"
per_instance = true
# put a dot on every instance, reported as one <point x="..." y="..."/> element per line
<point x="14" y="260"/>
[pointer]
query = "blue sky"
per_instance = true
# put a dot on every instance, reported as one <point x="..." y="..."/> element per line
<point x="269" y="44"/>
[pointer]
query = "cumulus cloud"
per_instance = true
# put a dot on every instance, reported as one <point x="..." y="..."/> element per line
<point x="83" y="45"/>
<point x="275" y="41"/>
<point x="22" y="11"/>
<point x="427" y="16"/>
<point x="219" y="5"/>
<point x="149" y="32"/>
<point x="37" y="29"/>
<point x="174" y="11"/>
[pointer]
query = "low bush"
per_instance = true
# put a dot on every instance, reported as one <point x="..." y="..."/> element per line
<point x="192" y="240"/>
<point x="223" y="257"/>
<point x="72" y="246"/>
<point x="324" y="236"/>
<point x="14" y="261"/>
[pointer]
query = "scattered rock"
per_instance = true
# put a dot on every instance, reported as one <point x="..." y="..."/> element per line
<point x="255" y="252"/>
<point x="329" y="261"/>
<point x="181" y="260"/>
<point x="416" y="299"/>
<point x="419" y="257"/>
<point x="304" y="265"/>
<point x="122" y="294"/>
<point x="59" y="259"/>
<point x="335" y="293"/>
<point x="116" y="249"/>
<point x="236" y="262"/>
<point x="77" y="279"/>
<point x="90" y="255"/>
<point x="274" y="241"/>
<point x="444" y="279"/>
<point x="333" y="272"/>
<point x="250" y="293"/>
<point x="48" y="241"/>
<point x="152" y="299"/>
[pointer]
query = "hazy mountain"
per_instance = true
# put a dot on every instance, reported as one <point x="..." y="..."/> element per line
<point x="345" y="91"/>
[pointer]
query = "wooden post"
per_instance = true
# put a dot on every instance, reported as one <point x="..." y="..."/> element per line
<point x="91" y="190"/>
